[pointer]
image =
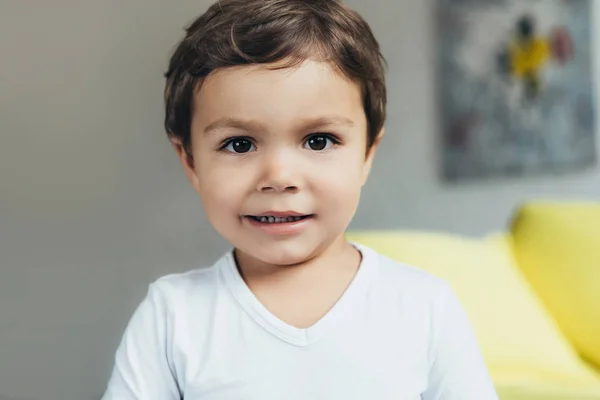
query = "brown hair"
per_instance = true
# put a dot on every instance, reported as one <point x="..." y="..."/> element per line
<point x="286" y="32"/>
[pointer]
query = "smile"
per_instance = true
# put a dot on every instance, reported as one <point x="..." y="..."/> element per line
<point x="271" y="219"/>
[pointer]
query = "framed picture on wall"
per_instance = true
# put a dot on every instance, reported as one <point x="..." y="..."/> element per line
<point x="516" y="87"/>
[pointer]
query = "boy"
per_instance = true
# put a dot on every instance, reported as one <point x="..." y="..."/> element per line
<point x="275" y="109"/>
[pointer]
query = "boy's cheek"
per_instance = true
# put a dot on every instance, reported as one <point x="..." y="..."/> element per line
<point x="220" y="175"/>
<point x="345" y="176"/>
<point x="338" y="194"/>
<point x="223" y="189"/>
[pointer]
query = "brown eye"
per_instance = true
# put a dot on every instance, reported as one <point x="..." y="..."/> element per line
<point x="239" y="146"/>
<point x="319" y="142"/>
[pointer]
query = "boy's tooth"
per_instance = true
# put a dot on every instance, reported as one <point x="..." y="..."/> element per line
<point x="274" y="220"/>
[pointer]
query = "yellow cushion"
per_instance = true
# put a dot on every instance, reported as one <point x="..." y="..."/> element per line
<point x="520" y="342"/>
<point x="545" y="392"/>
<point x="558" y="248"/>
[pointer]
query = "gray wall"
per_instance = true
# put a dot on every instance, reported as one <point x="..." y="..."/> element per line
<point x="415" y="197"/>
<point x="93" y="205"/>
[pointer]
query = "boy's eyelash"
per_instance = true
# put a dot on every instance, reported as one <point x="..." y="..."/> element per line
<point x="330" y="136"/>
<point x="228" y="141"/>
<point x="335" y="139"/>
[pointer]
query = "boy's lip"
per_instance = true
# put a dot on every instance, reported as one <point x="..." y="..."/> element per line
<point x="280" y="214"/>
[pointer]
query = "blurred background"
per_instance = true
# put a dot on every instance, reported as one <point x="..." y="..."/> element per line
<point x="94" y="205"/>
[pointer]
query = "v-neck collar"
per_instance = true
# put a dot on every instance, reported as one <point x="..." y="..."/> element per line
<point x="284" y="331"/>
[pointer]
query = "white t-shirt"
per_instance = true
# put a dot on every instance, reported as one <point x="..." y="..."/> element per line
<point x="396" y="333"/>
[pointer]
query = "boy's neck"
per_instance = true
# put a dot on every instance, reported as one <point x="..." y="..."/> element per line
<point x="300" y="295"/>
<point x="340" y="255"/>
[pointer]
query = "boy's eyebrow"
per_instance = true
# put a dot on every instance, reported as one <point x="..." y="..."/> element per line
<point x="229" y="122"/>
<point x="253" y="126"/>
<point x="330" y="120"/>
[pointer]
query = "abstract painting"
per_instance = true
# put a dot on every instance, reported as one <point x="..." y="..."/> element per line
<point x="516" y="87"/>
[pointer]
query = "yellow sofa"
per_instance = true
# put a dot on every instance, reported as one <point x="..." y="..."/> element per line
<point x="532" y="295"/>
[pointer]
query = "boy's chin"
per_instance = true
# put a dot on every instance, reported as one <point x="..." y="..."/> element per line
<point x="281" y="254"/>
<point x="287" y="259"/>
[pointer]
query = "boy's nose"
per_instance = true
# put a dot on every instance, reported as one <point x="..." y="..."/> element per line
<point x="278" y="175"/>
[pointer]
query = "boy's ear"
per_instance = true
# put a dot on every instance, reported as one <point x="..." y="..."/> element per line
<point x="187" y="161"/>
<point x="370" y="156"/>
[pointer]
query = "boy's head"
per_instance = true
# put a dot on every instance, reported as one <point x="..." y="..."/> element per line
<point x="275" y="108"/>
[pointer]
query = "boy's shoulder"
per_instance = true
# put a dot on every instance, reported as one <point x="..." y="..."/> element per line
<point x="183" y="286"/>
<point x="401" y="278"/>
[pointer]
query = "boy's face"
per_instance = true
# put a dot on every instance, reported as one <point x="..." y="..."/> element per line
<point x="279" y="158"/>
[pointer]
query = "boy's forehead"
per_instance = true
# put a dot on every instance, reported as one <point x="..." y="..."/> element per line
<point x="278" y="74"/>
<point x="311" y="90"/>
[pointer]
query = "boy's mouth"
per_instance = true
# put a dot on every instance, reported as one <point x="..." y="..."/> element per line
<point x="275" y="219"/>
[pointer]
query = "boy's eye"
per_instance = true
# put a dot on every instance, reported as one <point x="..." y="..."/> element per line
<point x="239" y="146"/>
<point x="319" y="142"/>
